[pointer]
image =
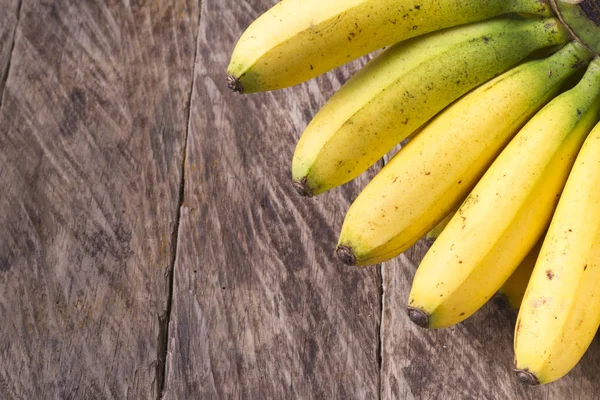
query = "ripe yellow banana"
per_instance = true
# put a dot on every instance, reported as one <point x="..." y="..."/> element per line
<point x="297" y="40"/>
<point x="435" y="171"/>
<point x="514" y="288"/>
<point x="405" y="86"/>
<point x="507" y="211"/>
<point x="560" y="313"/>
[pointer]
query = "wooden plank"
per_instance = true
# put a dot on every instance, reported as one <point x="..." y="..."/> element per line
<point x="8" y="24"/>
<point x="261" y="309"/>
<point x="92" y="131"/>
<point x="472" y="360"/>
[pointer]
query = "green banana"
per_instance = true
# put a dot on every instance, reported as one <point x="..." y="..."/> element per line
<point x="507" y="211"/>
<point x="513" y="290"/>
<point x="402" y="88"/>
<point x="297" y="40"/>
<point x="434" y="172"/>
<point x="560" y="313"/>
<point x="437" y="230"/>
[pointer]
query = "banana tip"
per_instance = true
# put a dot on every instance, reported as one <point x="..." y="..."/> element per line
<point x="346" y="255"/>
<point x="419" y="317"/>
<point x="302" y="188"/>
<point x="527" y="377"/>
<point x="234" y="84"/>
<point x="501" y="300"/>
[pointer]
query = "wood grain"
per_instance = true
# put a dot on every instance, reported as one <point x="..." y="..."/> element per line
<point x="8" y="24"/>
<point x="92" y="130"/>
<point x="473" y="360"/>
<point x="261" y="309"/>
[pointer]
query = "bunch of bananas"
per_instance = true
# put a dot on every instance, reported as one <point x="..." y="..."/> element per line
<point x="500" y="103"/>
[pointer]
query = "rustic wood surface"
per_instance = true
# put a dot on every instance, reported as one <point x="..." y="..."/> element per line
<point x="151" y="244"/>
<point x="261" y="310"/>
<point x="92" y="130"/>
<point x="8" y="24"/>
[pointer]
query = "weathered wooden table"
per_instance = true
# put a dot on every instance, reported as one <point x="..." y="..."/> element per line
<point x="152" y="246"/>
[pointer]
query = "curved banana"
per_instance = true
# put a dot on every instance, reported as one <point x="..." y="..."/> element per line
<point x="435" y="171"/>
<point x="514" y="288"/>
<point x="507" y="211"/>
<point x="297" y="40"/>
<point x="405" y="86"/>
<point x="560" y="313"/>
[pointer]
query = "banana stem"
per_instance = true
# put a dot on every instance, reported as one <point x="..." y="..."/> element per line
<point x="539" y="7"/>
<point x="582" y="20"/>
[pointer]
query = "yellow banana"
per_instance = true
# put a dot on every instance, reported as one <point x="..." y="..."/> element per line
<point x="297" y="40"/>
<point x="560" y="313"/>
<point x="435" y="171"/>
<point x="405" y="86"/>
<point x="514" y="288"/>
<point x="507" y="211"/>
<point x="437" y="230"/>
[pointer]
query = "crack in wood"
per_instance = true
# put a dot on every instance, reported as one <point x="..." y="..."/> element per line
<point x="382" y="163"/>
<point x="381" y="332"/>
<point x="164" y="319"/>
<point x="12" y="49"/>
